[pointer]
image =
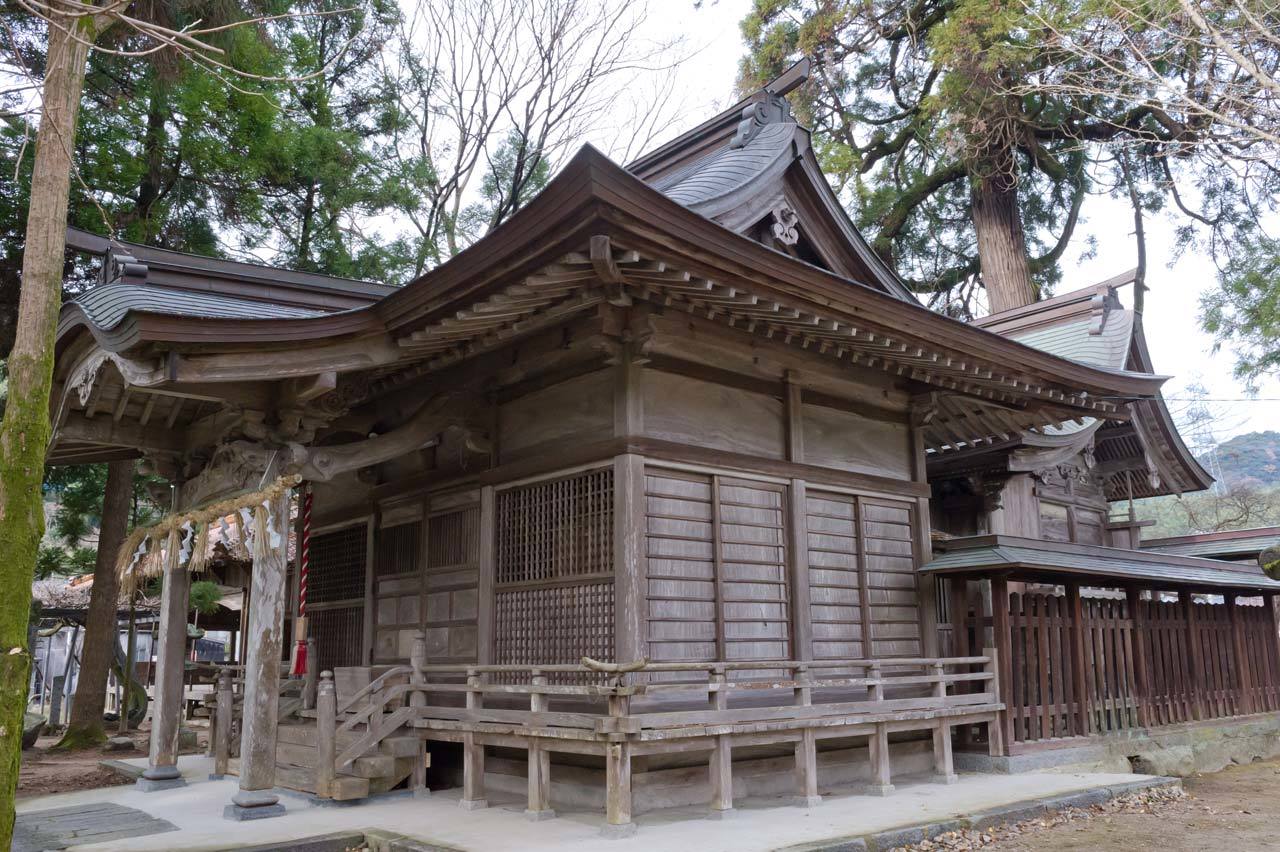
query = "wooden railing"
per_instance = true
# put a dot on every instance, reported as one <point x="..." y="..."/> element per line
<point x="658" y="707"/>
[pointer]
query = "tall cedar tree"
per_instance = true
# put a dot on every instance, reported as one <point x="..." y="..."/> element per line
<point x="944" y="125"/>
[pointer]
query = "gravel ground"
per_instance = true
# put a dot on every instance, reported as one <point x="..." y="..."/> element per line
<point x="1232" y="809"/>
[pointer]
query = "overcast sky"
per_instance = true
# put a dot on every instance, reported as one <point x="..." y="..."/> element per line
<point x="1178" y="347"/>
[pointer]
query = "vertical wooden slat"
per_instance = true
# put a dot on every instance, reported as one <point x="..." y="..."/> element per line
<point x="1000" y="629"/>
<point x="629" y="562"/>
<point x="1075" y="616"/>
<point x="1041" y="605"/>
<point x="1195" y="655"/>
<point x="801" y="609"/>
<point x="487" y="576"/>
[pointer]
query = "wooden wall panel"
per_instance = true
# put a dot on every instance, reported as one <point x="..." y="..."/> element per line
<point x="848" y="441"/>
<point x="894" y="600"/>
<point x="680" y="559"/>
<point x="574" y="411"/>
<point x="717" y="582"/>
<point x="398" y="585"/>
<point x="451" y="594"/>
<point x="835" y="597"/>
<point x="704" y="414"/>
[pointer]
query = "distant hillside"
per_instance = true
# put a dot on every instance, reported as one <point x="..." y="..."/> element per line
<point x="1254" y="454"/>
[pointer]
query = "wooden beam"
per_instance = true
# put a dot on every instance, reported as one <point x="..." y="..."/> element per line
<point x="117" y="434"/>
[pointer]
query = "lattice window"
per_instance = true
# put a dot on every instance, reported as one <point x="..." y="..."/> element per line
<point x="557" y="529"/>
<point x="339" y="635"/>
<point x="337" y="565"/>
<point x="555" y="624"/>
<point x="397" y="549"/>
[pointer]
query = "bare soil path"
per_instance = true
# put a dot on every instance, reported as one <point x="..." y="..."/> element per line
<point x="1237" y="809"/>
<point x="45" y="770"/>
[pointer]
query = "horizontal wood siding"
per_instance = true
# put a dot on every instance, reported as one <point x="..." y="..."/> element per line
<point x="716" y="568"/>
<point x="835" y="587"/>
<point x="893" y="596"/>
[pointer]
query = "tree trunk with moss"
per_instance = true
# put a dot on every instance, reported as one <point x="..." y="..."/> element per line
<point x="85" y="729"/>
<point x="25" y="430"/>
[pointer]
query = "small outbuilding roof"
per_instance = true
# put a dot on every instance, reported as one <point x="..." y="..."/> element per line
<point x="1036" y="560"/>
<point x="1233" y="544"/>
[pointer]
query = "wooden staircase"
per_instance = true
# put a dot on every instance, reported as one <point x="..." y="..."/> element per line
<point x="378" y="770"/>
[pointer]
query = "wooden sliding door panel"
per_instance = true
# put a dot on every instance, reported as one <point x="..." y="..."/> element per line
<point x="835" y="594"/>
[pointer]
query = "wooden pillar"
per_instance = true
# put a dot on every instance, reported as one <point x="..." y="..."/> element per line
<point x="166" y="709"/>
<point x="1244" y="677"/>
<point x="1000" y="641"/>
<point x="418" y="698"/>
<point x="943" y="763"/>
<point x="1141" y="655"/>
<point x="222" y="725"/>
<point x="370" y="601"/>
<point x="539" y="807"/>
<point x="618" y="790"/>
<point x="881" y="774"/>
<point x="720" y="766"/>
<point x="629" y="563"/>
<point x="1195" y="658"/>
<point x="262" y="671"/>
<point x="1083" y="725"/>
<point x="473" y="752"/>
<point x="326" y="735"/>
<point x="488" y="570"/>
<point x="801" y="612"/>
<point x="806" y="747"/>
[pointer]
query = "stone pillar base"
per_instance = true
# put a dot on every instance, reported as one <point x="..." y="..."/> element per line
<point x="253" y="804"/>
<point x="539" y="816"/>
<point x="240" y="813"/>
<point x="473" y="804"/>
<point x="879" y="789"/>
<point x="160" y="778"/>
<point x="725" y="813"/>
<point x="806" y="801"/>
<point x="625" y="829"/>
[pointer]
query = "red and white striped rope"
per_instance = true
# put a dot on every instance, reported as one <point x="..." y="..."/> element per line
<point x="304" y="550"/>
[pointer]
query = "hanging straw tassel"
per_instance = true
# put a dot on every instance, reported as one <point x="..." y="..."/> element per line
<point x="200" y="554"/>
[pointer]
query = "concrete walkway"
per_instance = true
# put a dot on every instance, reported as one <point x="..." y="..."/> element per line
<point x="761" y="824"/>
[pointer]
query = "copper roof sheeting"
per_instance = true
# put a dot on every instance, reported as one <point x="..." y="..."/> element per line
<point x="1033" y="559"/>
<point x="1233" y="543"/>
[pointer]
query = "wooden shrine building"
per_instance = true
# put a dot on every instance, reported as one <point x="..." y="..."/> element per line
<point x="675" y="418"/>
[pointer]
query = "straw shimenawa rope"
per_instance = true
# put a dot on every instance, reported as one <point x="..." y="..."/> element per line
<point x="145" y="550"/>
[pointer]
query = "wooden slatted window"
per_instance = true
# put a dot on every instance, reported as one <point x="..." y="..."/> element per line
<point x="553" y="599"/>
<point x="453" y="571"/>
<point x="892" y="584"/>
<point x="716" y="568"/>
<point x="835" y="581"/>
<point x="398" y="590"/>
<point x="863" y="595"/>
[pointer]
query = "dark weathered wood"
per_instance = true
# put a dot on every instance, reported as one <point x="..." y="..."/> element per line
<point x="222" y="723"/>
<point x="166" y="712"/>
<point x="629" y="559"/>
<point x="798" y="556"/>
<point x="1000" y="629"/>
<point x="326" y="736"/>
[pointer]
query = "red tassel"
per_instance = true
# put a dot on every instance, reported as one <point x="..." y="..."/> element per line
<point x="300" y="658"/>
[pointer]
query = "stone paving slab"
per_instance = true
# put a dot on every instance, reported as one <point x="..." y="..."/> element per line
<point x="78" y="825"/>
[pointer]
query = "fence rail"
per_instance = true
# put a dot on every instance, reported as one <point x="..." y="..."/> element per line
<point x="1078" y="667"/>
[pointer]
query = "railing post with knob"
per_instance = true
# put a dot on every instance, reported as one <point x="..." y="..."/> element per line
<point x="326" y="735"/>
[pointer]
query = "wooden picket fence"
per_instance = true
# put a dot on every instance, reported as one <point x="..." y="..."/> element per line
<point x="1080" y="666"/>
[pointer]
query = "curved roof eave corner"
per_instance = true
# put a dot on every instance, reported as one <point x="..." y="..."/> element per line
<point x="885" y="275"/>
<point x="1196" y="477"/>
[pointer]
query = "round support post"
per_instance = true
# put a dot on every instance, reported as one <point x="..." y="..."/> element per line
<point x="326" y="735"/>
